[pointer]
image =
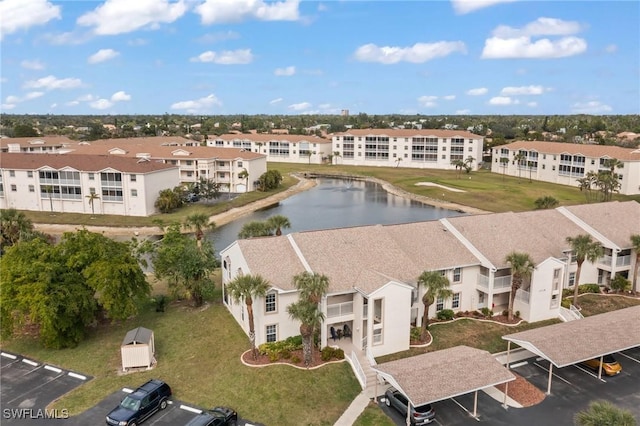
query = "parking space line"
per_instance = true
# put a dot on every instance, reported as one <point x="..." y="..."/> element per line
<point x="6" y="355"/>
<point x="630" y="357"/>
<point x="28" y="361"/>
<point x="77" y="376"/>
<point x="127" y="390"/>
<point x="463" y="407"/>
<point x="36" y="387"/>
<point x="191" y="409"/>
<point x="590" y="373"/>
<point x="559" y="377"/>
<point x="50" y="368"/>
<point x="519" y="364"/>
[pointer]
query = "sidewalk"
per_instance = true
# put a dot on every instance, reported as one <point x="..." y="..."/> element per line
<point x="354" y="410"/>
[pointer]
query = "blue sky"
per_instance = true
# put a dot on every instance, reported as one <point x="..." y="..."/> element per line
<point x="307" y="57"/>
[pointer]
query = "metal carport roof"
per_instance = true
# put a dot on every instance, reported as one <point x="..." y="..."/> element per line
<point x="444" y="374"/>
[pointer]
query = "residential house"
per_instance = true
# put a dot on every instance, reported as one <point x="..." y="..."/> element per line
<point x="373" y="270"/>
<point x="565" y="163"/>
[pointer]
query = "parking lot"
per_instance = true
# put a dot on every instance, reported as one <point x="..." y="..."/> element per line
<point x="572" y="389"/>
<point x="28" y="387"/>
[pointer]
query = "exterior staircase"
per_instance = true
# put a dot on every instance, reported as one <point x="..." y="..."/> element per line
<point x="366" y="374"/>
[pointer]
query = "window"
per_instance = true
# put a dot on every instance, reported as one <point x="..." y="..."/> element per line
<point x="439" y="304"/>
<point x="13" y="188"/>
<point x="377" y="336"/>
<point x="189" y="162"/>
<point x="457" y="275"/>
<point x="239" y="163"/>
<point x="272" y="333"/>
<point x="470" y="149"/>
<point x="572" y="279"/>
<point x="134" y="178"/>
<point x="455" y="301"/>
<point x="134" y="192"/>
<point x="32" y="188"/>
<point x="12" y="173"/>
<point x="30" y="174"/>
<point x="91" y="177"/>
<point x="92" y="190"/>
<point x="270" y="302"/>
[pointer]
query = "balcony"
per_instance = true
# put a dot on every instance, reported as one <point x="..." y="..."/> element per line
<point x="499" y="283"/>
<point x="623" y="261"/>
<point x="339" y="309"/>
<point x="522" y="296"/>
<point x="605" y="260"/>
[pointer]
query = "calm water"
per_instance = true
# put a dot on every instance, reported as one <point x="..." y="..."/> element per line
<point x="336" y="203"/>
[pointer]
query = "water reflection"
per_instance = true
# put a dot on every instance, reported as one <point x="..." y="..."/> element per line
<point x="337" y="203"/>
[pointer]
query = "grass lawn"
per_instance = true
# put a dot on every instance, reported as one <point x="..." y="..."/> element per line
<point x="373" y="416"/>
<point x="198" y="353"/>
<point x="592" y="304"/>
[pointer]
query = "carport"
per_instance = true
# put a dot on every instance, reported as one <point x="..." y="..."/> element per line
<point x="575" y="341"/>
<point x="444" y="374"/>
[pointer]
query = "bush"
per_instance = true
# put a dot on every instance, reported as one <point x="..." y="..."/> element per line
<point x="161" y="301"/>
<point x="589" y="288"/>
<point x="445" y="314"/>
<point x="281" y="348"/>
<point x="295" y="359"/>
<point x="565" y="303"/>
<point x="328" y="353"/>
<point x="486" y="312"/>
<point x="505" y="313"/>
<point x="415" y="333"/>
<point x="620" y="283"/>
<point x="517" y="314"/>
<point x="567" y="292"/>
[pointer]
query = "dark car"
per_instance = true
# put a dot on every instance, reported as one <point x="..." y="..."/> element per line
<point x="193" y="197"/>
<point x="140" y="404"/>
<point x="218" y="416"/>
<point x="420" y="415"/>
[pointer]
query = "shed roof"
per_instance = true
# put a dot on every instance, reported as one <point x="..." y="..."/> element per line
<point x="137" y="336"/>
<point x="576" y="341"/>
<point x="444" y="374"/>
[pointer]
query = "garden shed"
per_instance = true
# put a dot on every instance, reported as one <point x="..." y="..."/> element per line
<point x="138" y="349"/>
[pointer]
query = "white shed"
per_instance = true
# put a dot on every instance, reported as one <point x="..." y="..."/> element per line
<point x="138" y="349"/>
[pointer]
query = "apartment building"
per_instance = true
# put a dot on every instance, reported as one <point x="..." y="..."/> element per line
<point x="278" y="148"/>
<point x="565" y="163"/>
<point x="424" y="148"/>
<point x="44" y="144"/>
<point x="373" y="270"/>
<point x="65" y="183"/>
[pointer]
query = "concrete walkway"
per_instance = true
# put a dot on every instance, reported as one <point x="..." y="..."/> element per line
<point x="354" y="410"/>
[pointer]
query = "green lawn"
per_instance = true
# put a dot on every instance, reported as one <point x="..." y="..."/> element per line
<point x="373" y="416"/>
<point x="592" y="304"/>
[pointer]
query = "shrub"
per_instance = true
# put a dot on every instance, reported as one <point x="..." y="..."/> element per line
<point x="505" y="313"/>
<point x="415" y="333"/>
<point x="567" y="292"/>
<point x="565" y="303"/>
<point x="486" y="312"/>
<point x="517" y="314"/>
<point x="161" y="301"/>
<point x="589" y="288"/>
<point x="445" y="314"/>
<point x="295" y="359"/>
<point x="620" y="283"/>
<point x="328" y="353"/>
<point x="281" y="348"/>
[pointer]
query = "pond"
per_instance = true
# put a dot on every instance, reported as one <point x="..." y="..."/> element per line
<point x="336" y="203"/>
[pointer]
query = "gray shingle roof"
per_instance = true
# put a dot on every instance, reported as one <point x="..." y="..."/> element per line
<point x="138" y="336"/>
<point x="575" y="341"/>
<point x="439" y="375"/>
<point x="615" y="220"/>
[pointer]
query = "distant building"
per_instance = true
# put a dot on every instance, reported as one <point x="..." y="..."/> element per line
<point x="344" y="113"/>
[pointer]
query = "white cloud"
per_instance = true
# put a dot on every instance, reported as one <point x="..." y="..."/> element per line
<point x="8" y="106"/>
<point x="86" y="98"/>
<point x="53" y="105"/>
<point x="51" y="83"/>
<point x="123" y="16"/>
<point x="463" y="112"/>
<point x="3" y="79"/>
<point x="198" y="105"/>
<point x="523" y="47"/>
<point x="465" y="6"/>
<point x="23" y="14"/>
<point x="102" y="55"/>
<point x="32" y="65"/>
<point x="509" y="42"/>
<point x="539" y="27"/>
<point x="32" y="95"/>
<point x="101" y="104"/>
<point x="11" y="99"/>
<point x="233" y="11"/>
<point x="418" y="53"/>
<point x="72" y="103"/>
<point x="428" y="101"/>
<point x="67" y="38"/>
<point x="449" y="97"/>
<point x="219" y="36"/>
<point x="591" y="107"/>
<point x="138" y="42"/>
<point x="478" y="91"/>
<point x="612" y="48"/>
<point x="226" y="57"/>
<point x="522" y="90"/>
<point x="285" y="72"/>
<point x="532" y="104"/>
<point x="275" y="101"/>
<point x="120" y="96"/>
<point x="300" y="106"/>
<point x="503" y="100"/>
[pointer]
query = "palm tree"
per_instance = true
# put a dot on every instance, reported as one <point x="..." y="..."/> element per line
<point x="468" y="163"/>
<point x="504" y="162"/>
<point x="278" y="222"/>
<point x="14" y="225"/>
<point x="604" y="413"/>
<point x="436" y="286"/>
<point x="336" y="154"/>
<point x="312" y="286"/>
<point x="244" y="174"/>
<point x="546" y="202"/>
<point x="49" y="190"/>
<point x="254" y="228"/>
<point x="310" y="318"/>
<point x="247" y="288"/>
<point x="521" y="267"/>
<point x="635" y="243"/>
<point x="583" y="248"/>
<point x="199" y="222"/>
<point x="520" y="157"/>
<point x="459" y="164"/>
<point x="92" y="197"/>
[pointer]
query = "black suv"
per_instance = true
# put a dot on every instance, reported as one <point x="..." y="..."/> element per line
<point x="139" y="405"/>
<point x="218" y="416"/>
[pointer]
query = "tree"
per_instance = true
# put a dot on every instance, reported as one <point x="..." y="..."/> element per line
<point x="587" y="183"/>
<point x="244" y="174"/>
<point x="168" y="200"/>
<point x="247" y="288"/>
<point x="199" y="222"/>
<point x="48" y="189"/>
<point x="271" y="179"/>
<point x="253" y="229"/>
<point x="24" y="131"/>
<point x="504" y="162"/>
<point x="546" y="202"/>
<point x="278" y="222"/>
<point x="635" y="243"/>
<point x="312" y="287"/>
<point x="14" y="226"/>
<point x="468" y="164"/>
<point x="208" y="189"/>
<point x="459" y="164"/>
<point x="436" y="286"/>
<point x="521" y="268"/>
<point x="92" y="197"/>
<point x="603" y="413"/>
<point x="336" y="154"/>
<point x="520" y="157"/>
<point x="583" y="248"/>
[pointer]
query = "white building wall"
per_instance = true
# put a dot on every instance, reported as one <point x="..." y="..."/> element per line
<point x="396" y="320"/>
<point x="541" y="291"/>
<point x="322" y="149"/>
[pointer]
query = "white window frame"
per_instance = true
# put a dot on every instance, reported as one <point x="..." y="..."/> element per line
<point x="458" y="272"/>
<point x="268" y="303"/>
<point x="439" y="304"/>
<point x="455" y="301"/>
<point x="271" y="332"/>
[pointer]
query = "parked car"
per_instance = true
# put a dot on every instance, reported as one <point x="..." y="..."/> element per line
<point x="192" y="197"/>
<point x="610" y="366"/>
<point x="217" y="416"/>
<point x="420" y="415"/>
<point x="140" y="404"/>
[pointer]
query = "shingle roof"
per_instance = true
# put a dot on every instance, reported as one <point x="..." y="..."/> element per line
<point x="594" y="151"/>
<point x="615" y="220"/>
<point x="137" y="336"/>
<point x="261" y="137"/>
<point x="444" y="374"/>
<point x="36" y="141"/>
<point x="575" y="341"/>
<point x="83" y="163"/>
<point x="406" y="133"/>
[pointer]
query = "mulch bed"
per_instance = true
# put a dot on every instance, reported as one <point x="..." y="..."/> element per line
<point x="523" y="392"/>
<point x="264" y="359"/>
